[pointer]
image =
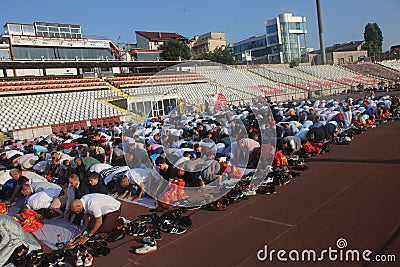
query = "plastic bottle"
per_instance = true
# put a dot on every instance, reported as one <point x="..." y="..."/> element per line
<point x="59" y="244"/>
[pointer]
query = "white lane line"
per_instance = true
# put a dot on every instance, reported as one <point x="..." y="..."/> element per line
<point x="271" y="221"/>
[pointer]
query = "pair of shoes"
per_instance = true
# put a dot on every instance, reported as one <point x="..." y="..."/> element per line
<point x="154" y="234"/>
<point x="249" y="192"/>
<point x="149" y="240"/>
<point x="171" y="228"/>
<point x="184" y="221"/>
<point x="83" y="259"/>
<point x="147" y="217"/>
<point x="99" y="237"/>
<point x="235" y="195"/>
<point x="36" y="257"/>
<point x="216" y="206"/>
<point x="58" y="263"/>
<point x="147" y="248"/>
<point x="175" y="217"/>
<point x="138" y="229"/>
<point x="116" y="235"/>
<point x="100" y="249"/>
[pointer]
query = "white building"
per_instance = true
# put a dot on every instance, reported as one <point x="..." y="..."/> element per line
<point x="283" y="35"/>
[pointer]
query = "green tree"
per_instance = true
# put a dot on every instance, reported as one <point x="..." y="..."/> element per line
<point x="220" y="55"/>
<point x="373" y="39"/>
<point x="174" y="49"/>
<point x="294" y="63"/>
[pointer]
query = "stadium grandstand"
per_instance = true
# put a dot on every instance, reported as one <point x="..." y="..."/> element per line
<point x="377" y="70"/>
<point x="54" y="78"/>
<point x="391" y="64"/>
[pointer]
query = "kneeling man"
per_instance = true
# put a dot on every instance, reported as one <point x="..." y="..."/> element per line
<point x="101" y="213"/>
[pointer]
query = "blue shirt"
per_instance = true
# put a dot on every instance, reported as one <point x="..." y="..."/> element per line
<point x="10" y="184"/>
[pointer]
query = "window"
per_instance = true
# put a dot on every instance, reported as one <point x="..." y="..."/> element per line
<point x="272" y="28"/>
<point x="42" y="28"/>
<point x="272" y="39"/>
<point x="350" y="59"/>
<point x="14" y="28"/>
<point x="28" y="29"/>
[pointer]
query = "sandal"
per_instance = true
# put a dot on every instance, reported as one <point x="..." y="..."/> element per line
<point x="216" y="206"/>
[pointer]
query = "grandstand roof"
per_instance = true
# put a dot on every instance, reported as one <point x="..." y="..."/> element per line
<point x="81" y="64"/>
<point x="161" y="36"/>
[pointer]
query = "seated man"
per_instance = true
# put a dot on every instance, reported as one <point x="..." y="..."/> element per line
<point x="14" y="241"/>
<point x="101" y="213"/>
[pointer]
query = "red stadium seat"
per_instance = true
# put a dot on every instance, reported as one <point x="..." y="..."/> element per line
<point x="76" y="126"/>
<point x="100" y="122"/>
<point x="117" y="119"/>
<point x="63" y="127"/>
<point x="70" y="126"/>
<point x="108" y="122"/>
<point x="55" y="128"/>
<point x="93" y="123"/>
<point x="83" y="125"/>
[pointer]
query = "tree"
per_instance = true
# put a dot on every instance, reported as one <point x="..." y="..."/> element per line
<point x="174" y="49"/>
<point x="220" y="55"/>
<point x="294" y="63"/>
<point x="373" y="39"/>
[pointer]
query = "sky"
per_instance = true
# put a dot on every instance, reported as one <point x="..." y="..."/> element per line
<point x="343" y="20"/>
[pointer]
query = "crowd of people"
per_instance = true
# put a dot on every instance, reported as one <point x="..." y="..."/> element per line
<point x="180" y="160"/>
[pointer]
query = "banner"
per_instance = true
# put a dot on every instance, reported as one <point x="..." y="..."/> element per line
<point x="220" y="102"/>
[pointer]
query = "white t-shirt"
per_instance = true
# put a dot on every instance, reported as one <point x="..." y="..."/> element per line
<point x="43" y="199"/>
<point x="109" y="174"/>
<point x="99" y="204"/>
<point x="34" y="177"/>
<point x="99" y="167"/>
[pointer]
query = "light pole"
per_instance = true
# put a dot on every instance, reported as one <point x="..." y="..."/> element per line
<point x="153" y="106"/>
<point x="321" y="33"/>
